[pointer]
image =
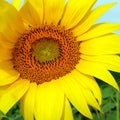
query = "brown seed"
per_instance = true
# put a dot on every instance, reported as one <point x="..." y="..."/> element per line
<point x="45" y="53"/>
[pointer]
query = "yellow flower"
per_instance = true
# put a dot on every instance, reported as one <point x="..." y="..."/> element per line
<point x="50" y="52"/>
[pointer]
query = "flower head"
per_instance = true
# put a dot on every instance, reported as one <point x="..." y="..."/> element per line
<point x="50" y="52"/>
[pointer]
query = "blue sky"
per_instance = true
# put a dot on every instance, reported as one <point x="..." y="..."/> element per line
<point x="113" y="15"/>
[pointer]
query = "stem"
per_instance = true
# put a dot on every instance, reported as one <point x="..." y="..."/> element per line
<point x="99" y="115"/>
<point x="117" y="105"/>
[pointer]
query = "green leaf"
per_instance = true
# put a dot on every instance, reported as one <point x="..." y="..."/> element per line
<point x="111" y="116"/>
<point x="107" y="107"/>
<point x="96" y="117"/>
<point x="78" y="117"/>
<point x="107" y="92"/>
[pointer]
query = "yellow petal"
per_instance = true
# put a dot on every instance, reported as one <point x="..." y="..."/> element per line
<point x="53" y="10"/>
<point x="90" y="98"/>
<point x="30" y="15"/>
<point x="88" y="82"/>
<point x="5" y="54"/>
<point x="13" y="94"/>
<point x="109" y="59"/>
<point x="75" y="95"/>
<point x="49" y="102"/>
<point x="28" y="102"/>
<point x="7" y="73"/>
<point x="91" y="19"/>
<point x="109" y="44"/>
<point x="3" y="89"/>
<point x="88" y="94"/>
<point x="16" y="3"/>
<point x="112" y="67"/>
<point x="75" y="11"/>
<point x="11" y="21"/>
<point x="99" y="30"/>
<point x="4" y="42"/>
<point x="8" y="76"/>
<point x="6" y="65"/>
<point x="67" y="115"/>
<point x="97" y="70"/>
<point x="38" y="6"/>
<point x="5" y="48"/>
<point x="111" y="62"/>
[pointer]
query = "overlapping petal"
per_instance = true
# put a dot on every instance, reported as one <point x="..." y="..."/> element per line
<point x="67" y="112"/>
<point x="13" y="94"/>
<point x="30" y="15"/>
<point x="91" y="18"/>
<point x="88" y="83"/>
<point x="111" y="62"/>
<point x="12" y="24"/>
<point x="7" y="73"/>
<point x="53" y="11"/>
<point x="38" y="5"/>
<point x="27" y="102"/>
<point x="99" y="30"/>
<point x="97" y="70"/>
<point x="72" y="17"/>
<point x="75" y="94"/>
<point x="16" y="3"/>
<point x="108" y="44"/>
<point x="49" y="102"/>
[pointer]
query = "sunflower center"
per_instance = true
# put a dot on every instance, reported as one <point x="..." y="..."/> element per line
<point x="45" y="53"/>
<point x="45" y="50"/>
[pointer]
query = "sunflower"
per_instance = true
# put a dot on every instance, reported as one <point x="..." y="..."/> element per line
<point x="50" y="52"/>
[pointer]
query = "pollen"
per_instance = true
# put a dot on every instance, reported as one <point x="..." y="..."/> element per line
<point x="45" y="53"/>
